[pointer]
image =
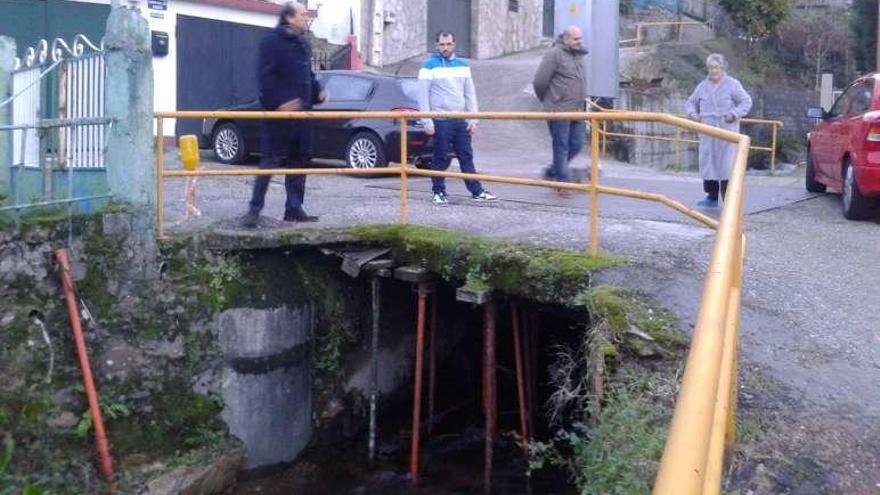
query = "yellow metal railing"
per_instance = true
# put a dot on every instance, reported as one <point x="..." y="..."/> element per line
<point x="702" y="426"/>
<point x="678" y="139"/>
<point x="640" y="27"/>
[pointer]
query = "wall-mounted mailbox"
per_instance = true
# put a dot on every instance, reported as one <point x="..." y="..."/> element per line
<point x="160" y="43"/>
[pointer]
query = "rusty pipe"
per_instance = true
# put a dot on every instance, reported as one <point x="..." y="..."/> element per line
<point x="520" y="378"/>
<point x="106" y="461"/>
<point x="417" y="385"/>
<point x="432" y="363"/>
<point x="489" y="392"/>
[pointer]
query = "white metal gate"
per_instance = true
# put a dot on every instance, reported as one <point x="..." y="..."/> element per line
<point x="26" y="86"/>
<point x="65" y="83"/>
<point x="82" y="96"/>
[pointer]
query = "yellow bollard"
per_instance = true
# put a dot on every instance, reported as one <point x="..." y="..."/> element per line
<point x="189" y="151"/>
<point x="189" y="155"/>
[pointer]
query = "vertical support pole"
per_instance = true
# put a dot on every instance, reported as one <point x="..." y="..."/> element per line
<point x="62" y="112"/>
<point x="404" y="183"/>
<point x="417" y="385"/>
<point x="520" y="378"/>
<point x="678" y="147"/>
<point x="489" y="392"/>
<point x="160" y="175"/>
<point x="44" y="142"/>
<point x="605" y="138"/>
<point x="376" y="284"/>
<point x="531" y="347"/>
<point x="594" y="191"/>
<point x="69" y="170"/>
<point x="432" y="363"/>
<point x="773" y="151"/>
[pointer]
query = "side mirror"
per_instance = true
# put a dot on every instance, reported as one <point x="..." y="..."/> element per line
<point x="816" y="113"/>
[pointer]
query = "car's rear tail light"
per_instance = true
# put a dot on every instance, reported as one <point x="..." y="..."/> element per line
<point x="873" y="133"/>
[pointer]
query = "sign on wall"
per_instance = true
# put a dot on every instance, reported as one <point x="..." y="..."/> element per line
<point x="157" y="4"/>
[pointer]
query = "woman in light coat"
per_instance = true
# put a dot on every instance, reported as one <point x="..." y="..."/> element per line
<point x="720" y="101"/>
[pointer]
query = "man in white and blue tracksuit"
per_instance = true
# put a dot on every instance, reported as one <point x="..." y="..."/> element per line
<point x="445" y="85"/>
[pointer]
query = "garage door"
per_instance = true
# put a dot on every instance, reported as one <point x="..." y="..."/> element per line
<point x="216" y="66"/>
<point x="453" y="16"/>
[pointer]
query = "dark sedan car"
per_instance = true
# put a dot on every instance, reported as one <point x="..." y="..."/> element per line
<point x="362" y="143"/>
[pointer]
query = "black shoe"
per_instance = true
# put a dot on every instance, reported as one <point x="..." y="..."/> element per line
<point x="251" y="219"/>
<point x="299" y="216"/>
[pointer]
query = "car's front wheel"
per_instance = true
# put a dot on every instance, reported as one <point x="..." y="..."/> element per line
<point x="365" y="150"/>
<point x="855" y="206"/>
<point x="228" y="144"/>
<point x="812" y="184"/>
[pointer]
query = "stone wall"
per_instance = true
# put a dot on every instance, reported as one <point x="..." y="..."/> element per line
<point x="789" y="106"/>
<point x="649" y="152"/>
<point x="497" y="31"/>
<point x="151" y="350"/>
<point x="406" y="36"/>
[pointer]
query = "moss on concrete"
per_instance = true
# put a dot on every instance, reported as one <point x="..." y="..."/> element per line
<point x="536" y="273"/>
<point x="632" y="321"/>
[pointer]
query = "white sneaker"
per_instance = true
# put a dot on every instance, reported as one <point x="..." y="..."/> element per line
<point x="439" y="199"/>
<point x="484" y="196"/>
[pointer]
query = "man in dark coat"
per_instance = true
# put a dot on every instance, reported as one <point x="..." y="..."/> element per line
<point x="287" y="84"/>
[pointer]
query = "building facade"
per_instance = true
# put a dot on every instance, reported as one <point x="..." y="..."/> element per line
<point x="395" y="30"/>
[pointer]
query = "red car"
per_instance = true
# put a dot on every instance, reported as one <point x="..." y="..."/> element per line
<point x="843" y="151"/>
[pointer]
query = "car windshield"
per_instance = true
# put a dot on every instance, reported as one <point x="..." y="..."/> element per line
<point x="410" y="87"/>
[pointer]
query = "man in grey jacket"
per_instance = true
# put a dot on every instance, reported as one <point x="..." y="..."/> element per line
<point x="560" y="84"/>
<point x="445" y="85"/>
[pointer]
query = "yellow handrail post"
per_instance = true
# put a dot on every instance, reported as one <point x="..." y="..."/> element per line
<point x="773" y="150"/>
<point x="160" y="171"/>
<point x="594" y="190"/>
<point x="730" y="438"/>
<point x="404" y="183"/>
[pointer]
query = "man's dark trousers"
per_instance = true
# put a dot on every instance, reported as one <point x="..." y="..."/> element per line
<point x="568" y="139"/>
<point x="455" y="133"/>
<point x="285" y="144"/>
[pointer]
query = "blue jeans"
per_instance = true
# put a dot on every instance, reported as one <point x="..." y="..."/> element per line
<point x="453" y="133"/>
<point x="568" y="139"/>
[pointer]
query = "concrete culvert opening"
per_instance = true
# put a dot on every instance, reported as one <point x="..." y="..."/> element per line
<point x="571" y="351"/>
